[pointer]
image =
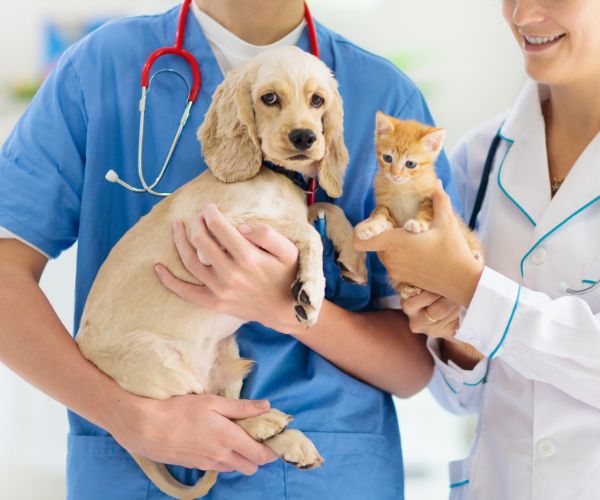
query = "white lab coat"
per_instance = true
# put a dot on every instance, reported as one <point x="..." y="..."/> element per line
<point x="538" y="396"/>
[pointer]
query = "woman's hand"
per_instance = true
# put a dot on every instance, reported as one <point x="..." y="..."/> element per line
<point x="248" y="271"/>
<point x="438" y="260"/>
<point x="194" y="431"/>
<point x="437" y="317"/>
<point x="433" y="315"/>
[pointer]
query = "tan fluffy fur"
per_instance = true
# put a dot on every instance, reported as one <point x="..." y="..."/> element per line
<point x="157" y="345"/>
<point x="403" y="194"/>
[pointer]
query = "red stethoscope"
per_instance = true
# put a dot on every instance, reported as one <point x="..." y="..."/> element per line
<point x="178" y="51"/>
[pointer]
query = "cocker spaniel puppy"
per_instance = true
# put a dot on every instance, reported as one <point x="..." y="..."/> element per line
<point x="272" y="121"/>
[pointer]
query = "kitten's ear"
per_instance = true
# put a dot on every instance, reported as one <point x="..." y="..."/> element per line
<point x="383" y="125"/>
<point x="434" y="140"/>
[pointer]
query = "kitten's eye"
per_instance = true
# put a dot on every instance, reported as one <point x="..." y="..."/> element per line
<point x="387" y="158"/>
<point x="316" y="101"/>
<point x="410" y="164"/>
<point x="270" y="99"/>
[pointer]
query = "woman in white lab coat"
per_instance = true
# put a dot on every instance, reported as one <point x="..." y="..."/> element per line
<point x="537" y="389"/>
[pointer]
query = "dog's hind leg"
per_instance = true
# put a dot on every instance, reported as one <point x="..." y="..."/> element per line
<point x="146" y="363"/>
<point x="352" y="263"/>
<point x="228" y="373"/>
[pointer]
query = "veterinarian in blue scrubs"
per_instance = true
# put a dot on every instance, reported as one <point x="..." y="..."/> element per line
<point x="53" y="193"/>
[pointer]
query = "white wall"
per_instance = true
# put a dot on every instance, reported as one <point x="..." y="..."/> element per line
<point x="470" y="68"/>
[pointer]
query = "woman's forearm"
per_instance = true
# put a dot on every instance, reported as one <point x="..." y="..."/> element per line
<point x="376" y="347"/>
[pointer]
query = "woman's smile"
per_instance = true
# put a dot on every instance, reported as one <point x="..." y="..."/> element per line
<point x="539" y="43"/>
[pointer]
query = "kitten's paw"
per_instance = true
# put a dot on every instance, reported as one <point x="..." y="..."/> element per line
<point x="370" y="228"/>
<point x="416" y="226"/>
<point x="408" y="291"/>
<point x="296" y="449"/>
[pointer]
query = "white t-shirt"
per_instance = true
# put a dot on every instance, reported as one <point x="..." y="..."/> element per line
<point x="230" y="52"/>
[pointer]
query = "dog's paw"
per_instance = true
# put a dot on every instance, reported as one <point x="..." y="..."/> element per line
<point x="416" y="226"/>
<point x="265" y="426"/>
<point x="296" y="449"/>
<point x="308" y="296"/>
<point x="370" y="228"/>
<point x="353" y="266"/>
<point x="408" y="291"/>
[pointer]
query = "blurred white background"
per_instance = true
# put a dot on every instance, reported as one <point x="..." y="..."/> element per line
<point x="459" y="52"/>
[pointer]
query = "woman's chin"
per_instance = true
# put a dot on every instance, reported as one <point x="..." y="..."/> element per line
<point x="548" y="74"/>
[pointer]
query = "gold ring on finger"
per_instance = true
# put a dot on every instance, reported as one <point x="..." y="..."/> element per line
<point x="429" y="318"/>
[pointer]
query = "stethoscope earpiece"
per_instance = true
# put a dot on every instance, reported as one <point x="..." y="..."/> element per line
<point x="111" y="176"/>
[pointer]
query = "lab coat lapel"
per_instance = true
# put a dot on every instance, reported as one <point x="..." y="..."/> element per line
<point x="523" y="174"/>
<point x="580" y="189"/>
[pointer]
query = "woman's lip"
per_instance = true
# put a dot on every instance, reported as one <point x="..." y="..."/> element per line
<point x="539" y="47"/>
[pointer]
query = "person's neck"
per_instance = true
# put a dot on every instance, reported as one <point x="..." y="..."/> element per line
<point x="258" y="22"/>
<point x="572" y="117"/>
<point x="575" y="109"/>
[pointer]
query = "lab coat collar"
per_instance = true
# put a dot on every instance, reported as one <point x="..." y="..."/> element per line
<point x="524" y="175"/>
<point x="579" y="191"/>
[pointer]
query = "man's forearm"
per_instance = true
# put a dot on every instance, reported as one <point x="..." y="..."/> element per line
<point x="376" y="347"/>
<point x="35" y="345"/>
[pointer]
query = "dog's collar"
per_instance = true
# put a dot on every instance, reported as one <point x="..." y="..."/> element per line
<point x="309" y="186"/>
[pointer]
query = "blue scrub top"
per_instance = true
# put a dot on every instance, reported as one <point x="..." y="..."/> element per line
<point x="84" y="121"/>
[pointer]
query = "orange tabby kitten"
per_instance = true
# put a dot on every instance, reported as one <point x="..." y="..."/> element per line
<point x="406" y="152"/>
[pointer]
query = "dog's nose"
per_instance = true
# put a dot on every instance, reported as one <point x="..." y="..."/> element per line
<point x="302" y="138"/>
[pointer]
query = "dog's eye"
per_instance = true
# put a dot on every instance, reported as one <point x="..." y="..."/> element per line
<point x="410" y="164"/>
<point x="316" y="101"/>
<point x="270" y="99"/>
<point x="387" y="158"/>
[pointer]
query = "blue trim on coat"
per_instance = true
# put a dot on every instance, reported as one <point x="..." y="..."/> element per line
<point x="512" y="315"/>
<point x="511" y="143"/>
<point x="459" y="484"/>
<point x="588" y="204"/>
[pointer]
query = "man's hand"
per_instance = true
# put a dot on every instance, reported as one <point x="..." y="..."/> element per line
<point x="247" y="271"/>
<point x="194" y="431"/>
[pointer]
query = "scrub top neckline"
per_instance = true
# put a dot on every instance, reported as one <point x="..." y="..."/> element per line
<point x="197" y="44"/>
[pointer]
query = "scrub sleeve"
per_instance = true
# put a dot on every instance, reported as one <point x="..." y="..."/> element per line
<point x="41" y="165"/>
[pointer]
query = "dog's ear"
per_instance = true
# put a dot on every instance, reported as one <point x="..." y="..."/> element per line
<point x="228" y="134"/>
<point x="333" y="165"/>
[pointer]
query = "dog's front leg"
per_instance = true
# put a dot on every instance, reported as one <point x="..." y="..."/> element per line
<point x="308" y="290"/>
<point x="352" y="263"/>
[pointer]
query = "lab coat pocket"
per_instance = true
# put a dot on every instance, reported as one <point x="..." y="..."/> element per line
<point x="459" y="479"/>
<point x="589" y="276"/>
<point x="358" y="466"/>
<point x="98" y="468"/>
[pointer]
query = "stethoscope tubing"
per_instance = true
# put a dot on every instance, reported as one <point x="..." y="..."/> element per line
<point x="146" y="81"/>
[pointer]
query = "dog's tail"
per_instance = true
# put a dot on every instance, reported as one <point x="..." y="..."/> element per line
<point x="161" y="477"/>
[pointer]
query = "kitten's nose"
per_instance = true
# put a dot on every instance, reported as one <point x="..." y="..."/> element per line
<point x="302" y="138"/>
